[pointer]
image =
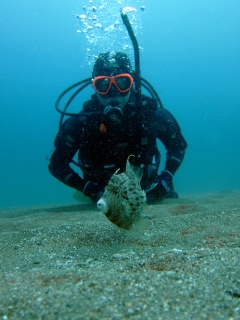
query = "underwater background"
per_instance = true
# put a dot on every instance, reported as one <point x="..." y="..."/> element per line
<point x="190" y="54"/>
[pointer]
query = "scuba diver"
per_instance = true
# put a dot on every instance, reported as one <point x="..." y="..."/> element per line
<point x="110" y="128"/>
<point x="116" y="122"/>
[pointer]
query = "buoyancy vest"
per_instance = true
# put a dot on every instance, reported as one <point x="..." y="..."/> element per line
<point x="107" y="151"/>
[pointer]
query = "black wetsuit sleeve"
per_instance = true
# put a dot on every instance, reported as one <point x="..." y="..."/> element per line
<point x="66" y="146"/>
<point x="169" y="133"/>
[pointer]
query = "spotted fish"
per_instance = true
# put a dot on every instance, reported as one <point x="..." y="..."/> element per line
<point x="123" y="199"/>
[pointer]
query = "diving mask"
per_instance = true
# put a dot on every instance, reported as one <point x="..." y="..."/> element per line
<point x="123" y="82"/>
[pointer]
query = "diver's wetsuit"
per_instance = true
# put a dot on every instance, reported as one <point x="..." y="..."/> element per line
<point x="102" y="152"/>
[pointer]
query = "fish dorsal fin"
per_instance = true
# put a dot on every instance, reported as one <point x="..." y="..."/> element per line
<point x="131" y="169"/>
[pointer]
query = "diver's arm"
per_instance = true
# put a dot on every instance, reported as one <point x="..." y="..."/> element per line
<point x="169" y="132"/>
<point x="66" y="146"/>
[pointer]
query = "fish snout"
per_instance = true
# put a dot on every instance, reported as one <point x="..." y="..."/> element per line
<point x="102" y="206"/>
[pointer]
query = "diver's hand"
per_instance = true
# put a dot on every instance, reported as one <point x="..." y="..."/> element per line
<point x="161" y="188"/>
<point x="93" y="190"/>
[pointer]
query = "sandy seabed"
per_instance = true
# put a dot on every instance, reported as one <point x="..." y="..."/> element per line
<point x="70" y="262"/>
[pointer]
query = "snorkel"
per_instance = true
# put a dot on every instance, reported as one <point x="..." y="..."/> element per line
<point x="137" y="76"/>
<point x="139" y="81"/>
<point x="113" y="112"/>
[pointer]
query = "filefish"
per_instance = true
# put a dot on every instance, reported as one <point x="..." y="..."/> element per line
<point x="123" y="199"/>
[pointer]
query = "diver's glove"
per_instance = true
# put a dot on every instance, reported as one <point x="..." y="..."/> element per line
<point x="93" y="190"/>
<point x="162" y="188"/>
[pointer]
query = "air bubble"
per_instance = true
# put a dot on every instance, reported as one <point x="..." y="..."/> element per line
<point x="82" y="16"/>
<point x="102" y="19"/>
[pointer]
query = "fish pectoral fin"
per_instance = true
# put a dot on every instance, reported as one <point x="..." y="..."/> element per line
<point x="80" y="197"/>
<point x="141" y="224"/>
<point x="145" y="208"/>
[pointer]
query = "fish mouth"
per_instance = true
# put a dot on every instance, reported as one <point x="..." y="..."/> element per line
<point x="102" y="206"/>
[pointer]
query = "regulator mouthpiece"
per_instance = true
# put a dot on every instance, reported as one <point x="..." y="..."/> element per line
<point x="113" y="114"/>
